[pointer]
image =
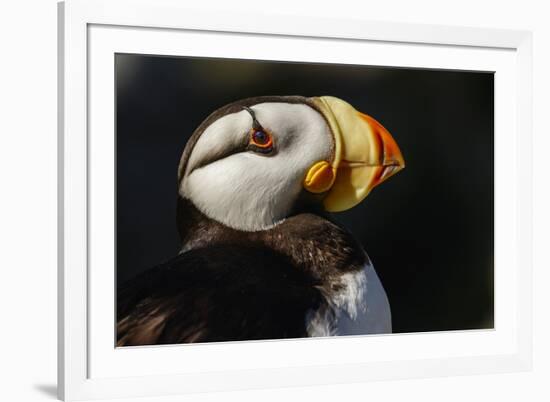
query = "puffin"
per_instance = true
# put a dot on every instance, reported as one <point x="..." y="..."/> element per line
<point x="262" y="256"/>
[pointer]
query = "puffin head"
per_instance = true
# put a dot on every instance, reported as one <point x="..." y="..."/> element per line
<point x="255" y="162"/>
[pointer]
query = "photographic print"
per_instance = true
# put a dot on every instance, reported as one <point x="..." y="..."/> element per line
<point x="264" y="200"/>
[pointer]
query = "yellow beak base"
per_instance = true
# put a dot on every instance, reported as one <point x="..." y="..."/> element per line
<point x="320" y="177"/>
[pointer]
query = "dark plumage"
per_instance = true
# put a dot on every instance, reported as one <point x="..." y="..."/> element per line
<point x="235" y="285"/>
<point x="220" y="293"/>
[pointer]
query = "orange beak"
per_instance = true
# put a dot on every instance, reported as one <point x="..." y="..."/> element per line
<point x="365" y="156"/>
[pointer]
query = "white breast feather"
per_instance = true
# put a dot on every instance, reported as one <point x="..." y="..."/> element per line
<point x="361" y="307"/>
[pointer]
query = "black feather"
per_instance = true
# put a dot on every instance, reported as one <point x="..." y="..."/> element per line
<point x="220" y="293"/>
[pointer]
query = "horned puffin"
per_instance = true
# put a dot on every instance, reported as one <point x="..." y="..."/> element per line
<point x="261" y="257"/>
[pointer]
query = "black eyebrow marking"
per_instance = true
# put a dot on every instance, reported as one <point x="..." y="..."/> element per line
<point x="255" y="123"/>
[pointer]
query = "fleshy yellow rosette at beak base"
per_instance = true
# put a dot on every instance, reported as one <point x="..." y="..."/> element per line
<point x="365" y="155"/>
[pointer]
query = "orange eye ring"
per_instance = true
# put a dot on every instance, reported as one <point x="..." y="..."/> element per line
<point x="261" y="138"/>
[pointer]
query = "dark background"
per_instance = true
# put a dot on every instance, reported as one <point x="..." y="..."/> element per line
<point x="428" y="230"/>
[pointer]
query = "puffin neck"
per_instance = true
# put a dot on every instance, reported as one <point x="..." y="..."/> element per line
<point x="311" y="242"/>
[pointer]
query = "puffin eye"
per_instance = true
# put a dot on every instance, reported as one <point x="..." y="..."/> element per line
<point x="261" y="139"/>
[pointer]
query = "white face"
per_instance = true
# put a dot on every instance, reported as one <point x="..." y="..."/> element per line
<point x="248" y="190"/>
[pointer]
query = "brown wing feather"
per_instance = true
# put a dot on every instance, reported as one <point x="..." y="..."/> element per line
<point x="219" y="293"/>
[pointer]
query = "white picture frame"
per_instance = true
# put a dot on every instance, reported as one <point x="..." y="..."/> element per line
<point x="90" y="32"/>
